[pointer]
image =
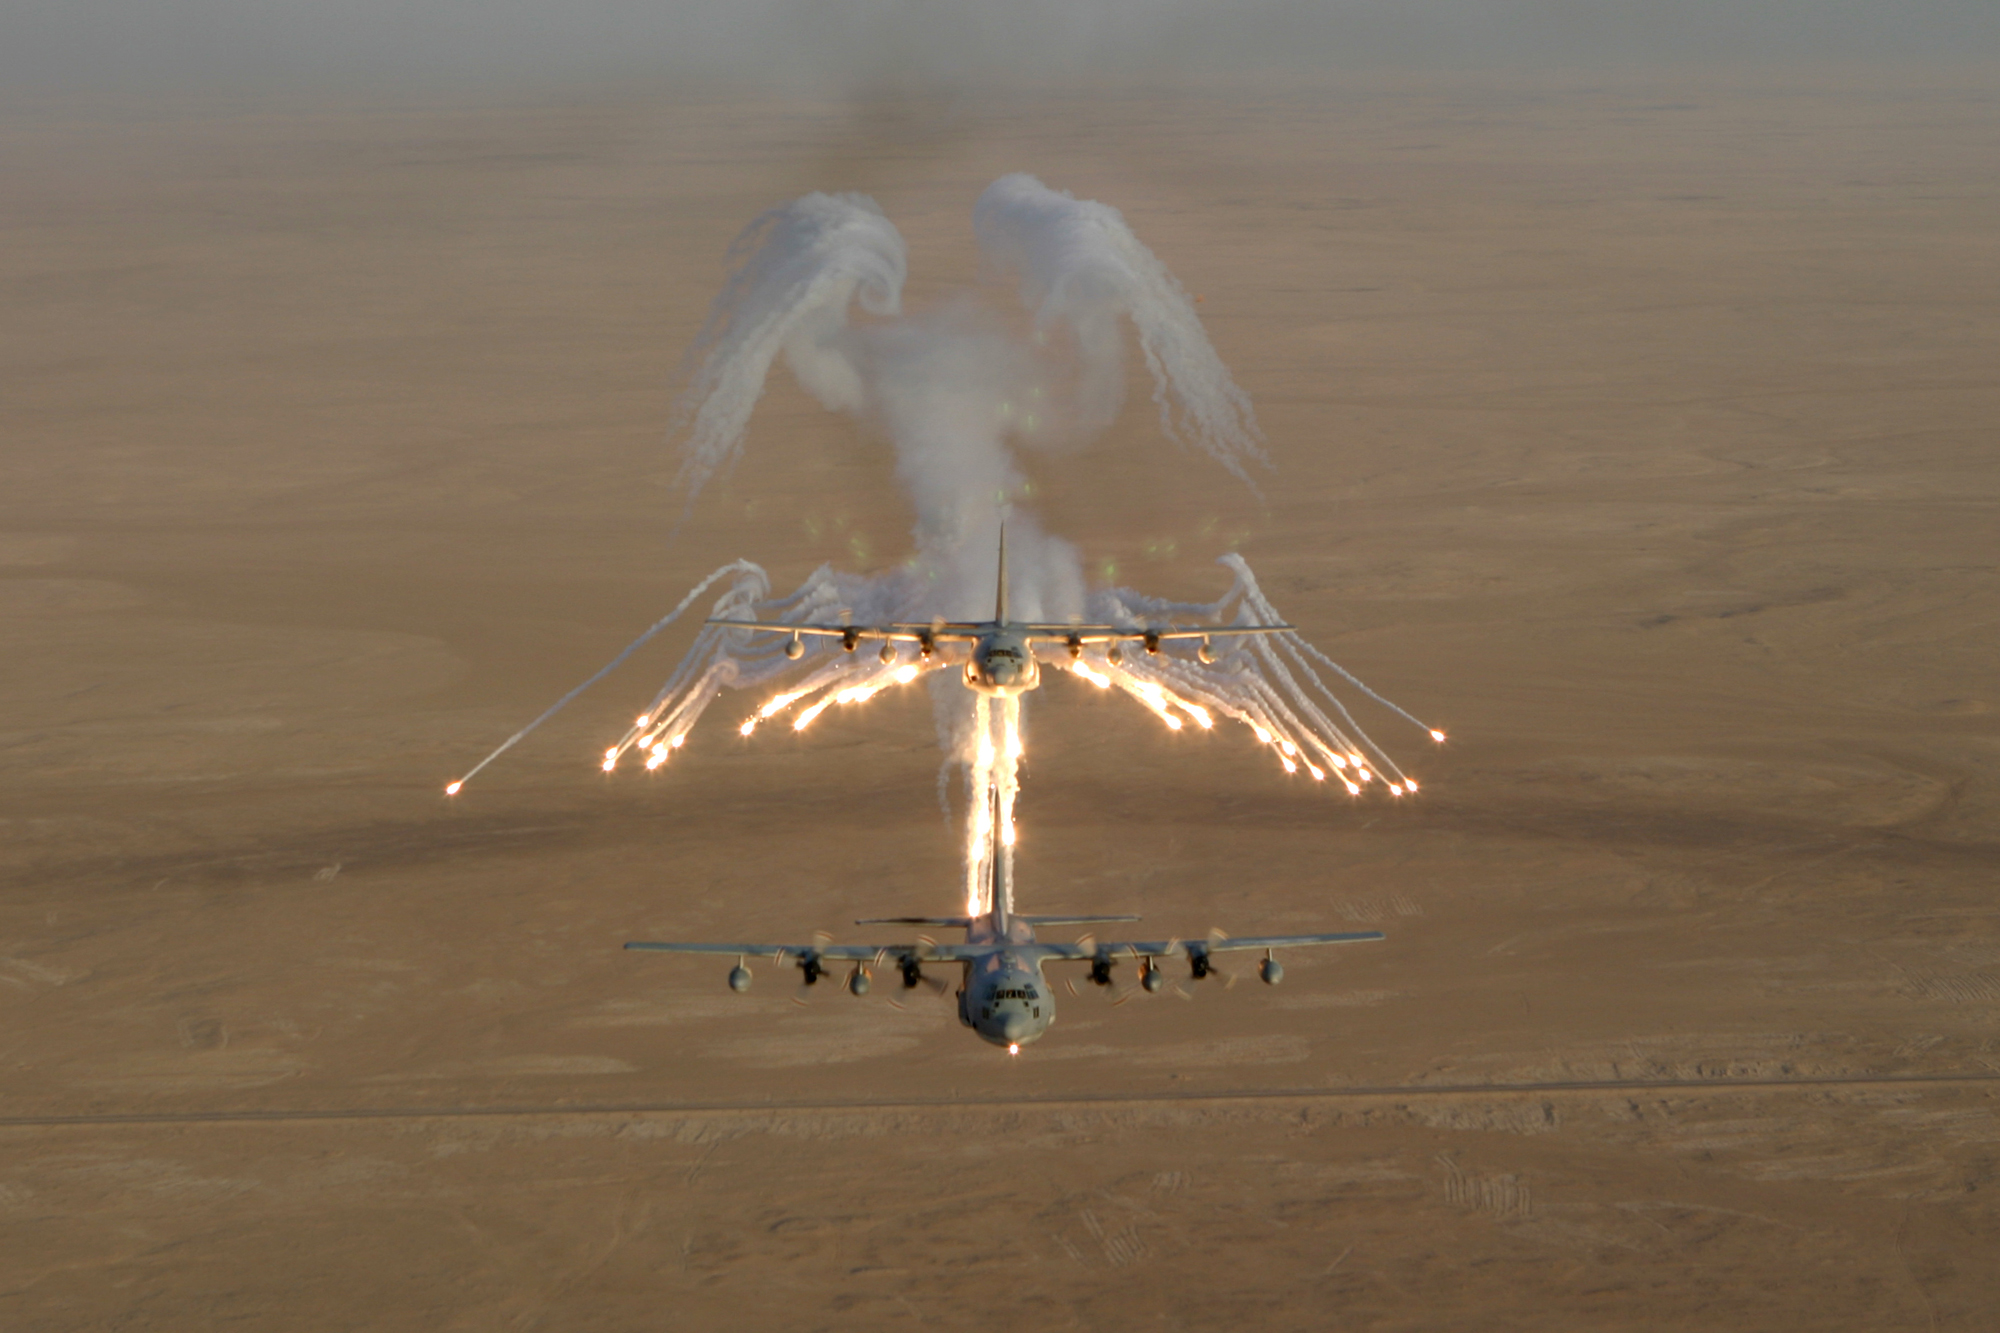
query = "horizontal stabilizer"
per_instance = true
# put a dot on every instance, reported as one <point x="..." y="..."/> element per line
<point x="959" y="921"/>
<point x="1071" y="920"/>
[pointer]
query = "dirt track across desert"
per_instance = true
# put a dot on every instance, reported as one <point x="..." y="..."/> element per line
<point x="1641" y="434"/>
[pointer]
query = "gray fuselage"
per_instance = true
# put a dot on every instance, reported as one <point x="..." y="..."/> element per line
<point x="1004" y="997"/>
<point x="1003" y="665"/>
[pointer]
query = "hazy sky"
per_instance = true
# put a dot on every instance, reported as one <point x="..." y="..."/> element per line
<point x="841" y="44"/>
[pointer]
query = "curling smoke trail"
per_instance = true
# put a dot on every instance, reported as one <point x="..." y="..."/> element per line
<point x="954" y="392"/>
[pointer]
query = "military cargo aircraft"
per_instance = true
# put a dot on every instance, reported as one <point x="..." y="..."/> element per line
<point x="1002" y="662"/>
<point x="1002" y="993"/>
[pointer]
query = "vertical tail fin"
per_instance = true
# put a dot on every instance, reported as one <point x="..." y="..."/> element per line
<point x="1003" y="879"/>
<point x="1000" y="589"/>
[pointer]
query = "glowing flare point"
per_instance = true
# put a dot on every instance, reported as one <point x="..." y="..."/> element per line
<point x="1319" y="774"/>
<point x="610" y="762"/>
<point x="1289" y="748"/>
<point x="1409" y="784"/>
<point x="451" y="788"/>
<point x="611" y="755"/>
<point x="1364" y="775"/>
<point x="1337" y="761"/>
<point x="1352" y="790"/>
<point x="749" y="725"/>
<point x="780" y="703"/>
<point x="1263" y="736"/>
<point x="1437" y="736"/>
<point x="906" y="674"/>
<point x="679" y="741"/>
<point x="806" y="718"/>
<point x="1290" y="767"/>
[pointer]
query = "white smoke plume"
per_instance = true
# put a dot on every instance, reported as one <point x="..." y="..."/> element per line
<point x="954" y="392"/>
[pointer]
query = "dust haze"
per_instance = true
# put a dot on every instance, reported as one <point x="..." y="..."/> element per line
<point x="869" y="47"/>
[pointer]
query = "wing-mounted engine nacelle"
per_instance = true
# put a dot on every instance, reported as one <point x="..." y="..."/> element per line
<point x="1151" y="976"/>
<point x="857" y="981"/>
<point x="1270" y="971"/>
<point x="739" y="978"/>
<point x="1100" y="969"/>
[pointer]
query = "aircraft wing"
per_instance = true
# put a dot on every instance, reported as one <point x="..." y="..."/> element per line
<point x="1126" y="634"/>
<point x="859" y="953"/>
<point x="1168" y="948"/>
<point x="949" y="631"/>
<point x="967" y="631"/>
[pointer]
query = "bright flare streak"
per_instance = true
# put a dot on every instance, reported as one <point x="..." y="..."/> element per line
<point x="1395" y="790"/>
<point x="1336" y="760"/>
<point x="1319" y="774"/>
<point x="1097" y="678"/>
<point x="1007" y="834"/>
<point x="1290" y="767"/>
<point x="1013" y="1048"/>
<point x="642" y="721"/>
<point x="749" y="725"/>
<point x="610" y="762"/>
<point x="906" y="674"/>
<point x="451" y="789"/>
<point x="1409" y="784"/>
<point x="806" y="718"/>
<point x="1437" y="736"/>
<point x="1173" y="723"/>
<point x="679" y="740"/>
<point x="1352" y="790"/>
<point x="611" y="755"/>
<point x="781" y="703"/>
<point x="1364" y="775"/>
<point x="1289" y="749"/>
<point x="1198" y="713"/>
<point x="655" y="759"/>
<point x="1263" y="736"/>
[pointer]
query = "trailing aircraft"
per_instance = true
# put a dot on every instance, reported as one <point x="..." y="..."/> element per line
<point x="1002" y="992"/>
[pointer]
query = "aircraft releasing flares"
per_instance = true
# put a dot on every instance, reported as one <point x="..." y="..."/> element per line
<point x="950" y="390"/>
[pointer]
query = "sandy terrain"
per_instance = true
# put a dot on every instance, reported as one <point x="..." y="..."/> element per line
<point x="1643" y="438"/>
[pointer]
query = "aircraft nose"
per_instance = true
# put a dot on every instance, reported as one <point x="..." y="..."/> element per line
<point x="1015" y="1026"/>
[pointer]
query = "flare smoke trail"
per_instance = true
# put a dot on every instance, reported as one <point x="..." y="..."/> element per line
<point x="954" y="392"/>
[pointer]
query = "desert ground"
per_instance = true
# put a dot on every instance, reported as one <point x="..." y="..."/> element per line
<point x="1641" y="434"/>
